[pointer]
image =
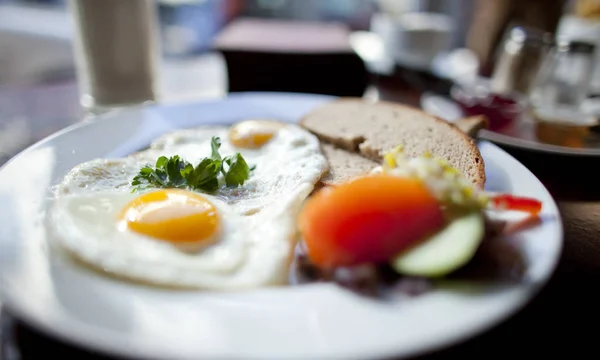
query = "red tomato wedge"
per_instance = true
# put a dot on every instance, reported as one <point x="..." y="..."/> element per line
<point x="367" y="220"/>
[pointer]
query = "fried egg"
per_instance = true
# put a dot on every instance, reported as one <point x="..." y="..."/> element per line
<point x="234" y="238"/>
<point x="284" y="156"/>
<point x="179" y="238"/>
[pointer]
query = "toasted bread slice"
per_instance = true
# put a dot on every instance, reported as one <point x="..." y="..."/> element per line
<point x="370" y="129"/>
<point x="344" y="165"/>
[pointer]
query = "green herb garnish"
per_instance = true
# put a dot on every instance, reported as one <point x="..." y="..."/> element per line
<point x="175" y="172"/>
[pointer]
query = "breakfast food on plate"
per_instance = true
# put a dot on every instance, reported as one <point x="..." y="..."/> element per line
<point x="371" y="129"/>
<point x="210" y="207"/>
<point x="224" y="207"/>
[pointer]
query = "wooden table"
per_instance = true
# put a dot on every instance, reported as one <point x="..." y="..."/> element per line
<point x="560" y="321"/>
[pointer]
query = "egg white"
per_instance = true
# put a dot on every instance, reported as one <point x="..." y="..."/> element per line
<point x="100" y="175"/>
<point x="250" y="251"/>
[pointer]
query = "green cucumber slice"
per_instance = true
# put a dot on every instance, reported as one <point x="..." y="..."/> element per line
<point x="445" y="251"/>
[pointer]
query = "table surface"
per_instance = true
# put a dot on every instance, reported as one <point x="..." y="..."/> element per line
<point x="554" y="321"/>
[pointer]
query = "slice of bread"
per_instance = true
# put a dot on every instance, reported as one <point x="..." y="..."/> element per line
<point x="344" y="165"/>
<point x="366" y="130"/>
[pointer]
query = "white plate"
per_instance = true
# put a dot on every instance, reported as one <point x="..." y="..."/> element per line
<point x="521" y="134"/>
<point x="312" y="321"/>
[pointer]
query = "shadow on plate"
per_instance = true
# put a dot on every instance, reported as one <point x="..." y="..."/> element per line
<point x="498" y="262"/>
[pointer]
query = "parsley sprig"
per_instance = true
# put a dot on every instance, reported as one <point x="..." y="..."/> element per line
<point x="174" y="172"/>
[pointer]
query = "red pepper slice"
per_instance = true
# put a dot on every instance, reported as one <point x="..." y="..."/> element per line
<point x="517" y="203"/>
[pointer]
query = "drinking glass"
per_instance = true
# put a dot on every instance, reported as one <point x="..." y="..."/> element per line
<point x="563" y="83"/>
<point x="116" y="52"/>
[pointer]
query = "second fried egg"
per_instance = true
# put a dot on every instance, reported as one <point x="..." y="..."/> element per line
<point x="283" y="155"/>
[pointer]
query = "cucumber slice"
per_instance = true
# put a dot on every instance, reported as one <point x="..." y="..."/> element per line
<point x="445" y="251"/>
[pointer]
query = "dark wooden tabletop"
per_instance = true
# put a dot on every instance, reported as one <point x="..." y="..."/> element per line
<point x="560" y="321"/>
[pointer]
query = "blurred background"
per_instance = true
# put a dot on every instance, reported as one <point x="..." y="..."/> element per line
<point x="36" y="35"/>
<point x="491" y="57"/>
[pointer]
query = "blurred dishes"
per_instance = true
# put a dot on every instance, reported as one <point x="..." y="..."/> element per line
<point x="460" y="65"/>
<point x="591" y="106"/>
<point x="369" y="46"/>
<point x="521" y="56"/>
<point x="414" y="39"/>
<point x="537" y="96"/>
<point x="477" y="98"/>
<point x="562" y="134"/>
<point x="526" y="131"/>
<point x="563" y="81"/>
<point x="561" y="86"/>
<point x="574" y="27"/>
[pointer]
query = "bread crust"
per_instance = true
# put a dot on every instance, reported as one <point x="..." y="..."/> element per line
<point x="472" y="124"/>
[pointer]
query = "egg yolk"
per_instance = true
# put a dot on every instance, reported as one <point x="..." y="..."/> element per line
<point x="253" y="134"/>
<point x="172" y="215"/>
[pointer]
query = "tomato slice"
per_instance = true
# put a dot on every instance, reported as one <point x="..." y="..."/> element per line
<point x="367" y="220"/>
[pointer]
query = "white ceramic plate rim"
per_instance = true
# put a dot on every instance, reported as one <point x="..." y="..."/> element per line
<point x="481" y="312"/>
<point x="536" y="146"/>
